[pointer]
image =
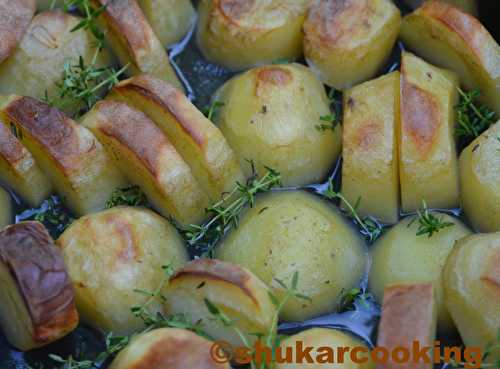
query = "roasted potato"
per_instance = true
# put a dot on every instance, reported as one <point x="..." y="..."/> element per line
<point x="271" y="115"/>
<point x="347" y="42"/>
<point x="471" y="280"/>
<point x="235" y="291"/>
<point x="240" y="34"/>
<point x="15" y="19"/>
<point x="470" y="6"/>
<point x="293" y="231"/>
<point x="370" y="147"/>
<point x="480" y="180"/>
<point x="148" y="159"/>
<point x="19" y="171"/>
<point x="111" y="254"/>
<point x="37" y="298"/>
<point x="401" y="256"/>
<point x="38" y="63"/>
<point x="5" y="208"/>
<point x="71" y="157"/>
<point x="453" y="39"/>
<point x="428" y="165"/>
<point x="198" y="140"/>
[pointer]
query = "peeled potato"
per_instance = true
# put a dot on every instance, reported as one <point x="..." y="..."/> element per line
<point x="428" y="163"/>
<point x="15" y="19"/>
<point x="5" y="208"/>
<point x="453" y="39"/>
<point x="288" y="232"/>
<point x="480" y="180"/>
<point x="37" y="298"/>
<point x="241" y="34"/>
<point x="348" y="42"/>
<point x="401" y="256"/>
<point x="111" y="254"/>
<point x="270" y="115"/>
<point x="470" y="6"/>
<point x="370" y="147"/>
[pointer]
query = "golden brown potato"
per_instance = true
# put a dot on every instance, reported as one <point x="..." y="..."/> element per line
<point x="148" y="159"/>
<point x="401" y="256"/>
<point x="111" y="254"/>
<point x="347" y="42"/>
<point x="470" y="6"/>
<point x="270" y="115"/>
<point x="428" y="165"/>
<point x="19" y="171"/>
<point x="196" y="138"/>
<point x="5" y="208"/>
<point x="241" y="34"/>
<point x="294" y="231"/>
<point x="235" y="291"/>
<point x="15" y="19"/>
<point x="370" y="147"/>
<point x="480" y="180"/>
<point x="37" y="298"/>
<point x="71" y="157"/>
<point x="453" y="39"/>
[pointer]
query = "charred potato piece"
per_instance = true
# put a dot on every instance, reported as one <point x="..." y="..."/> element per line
<point x="37" y="298"/>
<point x="76" y="163"/>
<point x="370" y="147"/>
<point x="200" y="143"/>
<point x="5" y="208"/>
<point x="271" y="115"/>
<point x="15" y="19"/>
<point x="111" y="254"/>
<point x="241" y="34"/>
<point x="480" y="180"/>
<point x="148" y="159"/>
<point x="453" y="39"/>
<point x="428" y="162"/>
<point x="469" y="6"/>
<point x="347" y="42"/>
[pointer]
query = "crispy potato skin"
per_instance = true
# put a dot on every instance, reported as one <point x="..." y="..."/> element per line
<point x="109" y="254"/>
<point x="480" y="181"/>
<point x="370" y="149"/>
<point x="16" y="17"/>
<point x="428" y="163"/>
<point x="39" y="276"/>
<point x="5" y="208"/>
<point x="346" y="42"/>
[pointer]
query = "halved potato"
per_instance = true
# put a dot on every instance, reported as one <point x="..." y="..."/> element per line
<point x="453" y="39"/>
<point x="470" y="6"/>
<point x="148" y="159"/>
<point x="37" y="298"/>
<point x="347" y="42"/>
<point x="168" y="348"/>
<point x="76" y="163"/>
<point x="15" y="19"/>
<point x="111" y="254"/>
<point x="428" y="164"/>
<point x="5" y="208"/>
<point x="401" y="256"/>
<point x="234" y="290"/>
<point x="370" y="147"/>
<point x="19" y="171"/>
<point x="200" y="143"/>
<point x="240" y="34"/>
<point x="134" y="41"/>
<point x="271" y="115"/>
<point x="480" y="180"/>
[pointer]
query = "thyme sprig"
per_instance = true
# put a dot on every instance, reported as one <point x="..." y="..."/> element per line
<point x="128" y="196"/>
<point x="348" y="298"/>
<point x="428" y="223"/>
<point x="472" y="117"/>
<point x="52" y="214"/>
<point x="328" y="122"/>
<point x="90" y="15"/>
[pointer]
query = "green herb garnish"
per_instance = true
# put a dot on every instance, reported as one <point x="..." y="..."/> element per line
<point x="53" y="216"/>
<point x="472" y="118"/>
<point x="211" y="110"/>
<point x="90" y="15"/>
<point x="330" y="122"/>
<point x="349" y="298"/>
<point x="128" y="196"/>
<point x="428" y="223"/>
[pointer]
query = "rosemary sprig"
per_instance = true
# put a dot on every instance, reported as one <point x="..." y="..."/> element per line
<point x="472" y="118"/>
<point x="128" y="196"/>
<point x="428" y="223"/>
<point x="211" y="110"/>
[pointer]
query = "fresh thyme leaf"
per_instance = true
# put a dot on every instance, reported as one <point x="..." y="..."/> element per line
<point x="331" y="122"/>
<point x="90" y="14"/>
<point x="53" y="216"/>
<point x="128" y="196"/>
<point x="211" y="110"/>
<point x="472" y="117"/>
<point x="428" y="223"/>
<point x="348" y="299"/>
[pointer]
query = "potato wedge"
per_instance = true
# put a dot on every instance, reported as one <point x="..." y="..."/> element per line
<point x="370" y="147"/>
<point x="453" y="39"/>
<point x="428" y="163"/>
<point x="470" y="6"/>
<point x="112" y="253"/>
<point x="240" y="34"/>
<point x="76" y="163"/>
<point x="15" y="19"/>
<point x="168" y="348"/>
<point x="480" y="180"/>
<point x="37" y="298"/>
<point x="19" y="171"/>
<point x="200" y="143"/>
<point x="347" y="42"/>
<point x="134" y="41"/>
<point x="409" y="315"/>
<point x="5" y="208"/>
<point x="147" y="158"/>
<point x="234" y="290"/>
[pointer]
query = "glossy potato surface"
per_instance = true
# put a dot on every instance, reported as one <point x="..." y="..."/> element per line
<point x="5" y="208"/>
